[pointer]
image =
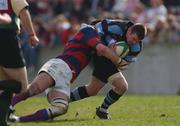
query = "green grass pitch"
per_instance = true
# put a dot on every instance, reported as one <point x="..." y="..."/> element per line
<point x="130" y="110"/>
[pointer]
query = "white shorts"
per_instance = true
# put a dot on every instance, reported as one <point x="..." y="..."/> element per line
<point x="60" y="72"/>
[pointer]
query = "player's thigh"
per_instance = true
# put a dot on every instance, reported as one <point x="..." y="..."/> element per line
<point x="61" y="74"/>
<point x="94" y="86"/>
<point x="3" y="75"/>
<point x="42" y="82"/>
<point x="19" y="74"/>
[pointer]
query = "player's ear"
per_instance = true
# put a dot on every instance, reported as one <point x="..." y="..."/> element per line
<point x="130" y="30"/>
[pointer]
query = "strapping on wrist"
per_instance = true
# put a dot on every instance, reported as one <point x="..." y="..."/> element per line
<point x="119" y="61"/>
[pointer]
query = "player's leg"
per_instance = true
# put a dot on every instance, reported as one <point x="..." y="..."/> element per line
<point x="88" y="90"/>
<point x="49" y="72"/>
<point x="57" y="75"/>
<point x="57" y="97"/>
<point x="37" y="86"/>
<point x="7" y="88"/>
<point x="59" y="101"/>
<point x="19" y="74"/>
<point x="120" y="87"/>
<point x="3" y="76"/>
<point x="5" y="99"/>
<point x="10" y="86"/>
<point x="58" y="106"/>
<point x="12" y="60"/>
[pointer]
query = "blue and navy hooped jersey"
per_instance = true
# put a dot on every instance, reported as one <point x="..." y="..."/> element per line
<point x="78" y="51"/>
<point x="112" y="31"/>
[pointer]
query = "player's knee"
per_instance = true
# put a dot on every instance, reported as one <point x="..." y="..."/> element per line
<point x="122" y="88"/>
<point x="119" y="82"/>
<point x="58" y="107"/>
<point x="125" y="86"/>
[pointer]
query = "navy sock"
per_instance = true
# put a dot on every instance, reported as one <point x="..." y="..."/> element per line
<point x="110" y="98"/>
<point x="39" y="115"/>
<point x="79" y="93"/>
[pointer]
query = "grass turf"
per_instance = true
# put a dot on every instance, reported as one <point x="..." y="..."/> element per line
<point x="130" y="110"/>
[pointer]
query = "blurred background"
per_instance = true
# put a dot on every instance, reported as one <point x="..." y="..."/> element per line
<point x="157" y="70"/>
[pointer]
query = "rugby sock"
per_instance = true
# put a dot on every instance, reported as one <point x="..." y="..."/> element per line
<point x="110" y="99"/>
<point x="20" y="97"/>
<point x="79" y="93"/>
<point x="39" y="115"/>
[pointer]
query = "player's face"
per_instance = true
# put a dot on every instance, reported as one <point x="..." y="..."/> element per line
<point x="131" y="37"/>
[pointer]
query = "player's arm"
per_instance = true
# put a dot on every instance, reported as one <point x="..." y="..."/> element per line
<point x="27" y="23"/>
<point x="108" y="53"/>
<point x="20" y="7"/>
<point x="131" y="57"/>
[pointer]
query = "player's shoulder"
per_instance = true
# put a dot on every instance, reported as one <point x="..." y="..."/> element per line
<point x="135" y="49"/>
<point x="85" y="26"/>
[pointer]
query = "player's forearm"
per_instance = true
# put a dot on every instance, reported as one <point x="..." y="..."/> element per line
<point x="108" y="53"/>
<point x="27" y="21"/>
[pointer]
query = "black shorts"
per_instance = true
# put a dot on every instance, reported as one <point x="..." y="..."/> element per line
<point x="11" y="55"/>
<point x="103" y="68"/>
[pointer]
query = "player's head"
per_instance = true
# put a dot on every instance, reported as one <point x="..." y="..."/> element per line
<point x="136" y="33"/>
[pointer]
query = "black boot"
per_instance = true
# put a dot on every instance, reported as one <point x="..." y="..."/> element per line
<point x="102" y="114"/>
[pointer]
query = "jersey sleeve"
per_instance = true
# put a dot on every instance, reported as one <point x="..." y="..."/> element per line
<point x="18" y="5"/>
<point x="135" y="49"/>
<point x="109" y="40"/>
<point x="109" y="30"/>
<point x="130" y="59"/>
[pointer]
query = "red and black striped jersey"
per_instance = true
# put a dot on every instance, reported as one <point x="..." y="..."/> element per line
<point x="78" y="51"/>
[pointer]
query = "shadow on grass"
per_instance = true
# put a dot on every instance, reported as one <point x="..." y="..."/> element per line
<point x="70" y="120"/>
<point x="60" y="120"/>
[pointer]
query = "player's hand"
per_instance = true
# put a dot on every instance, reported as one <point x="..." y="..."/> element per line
<point x="123" y="65"/>
<point x="5" y="18"/>
<point x="34" y="41"/>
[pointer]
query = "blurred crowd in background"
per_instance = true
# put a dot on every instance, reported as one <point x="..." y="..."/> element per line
<point x="56" y="21"/>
